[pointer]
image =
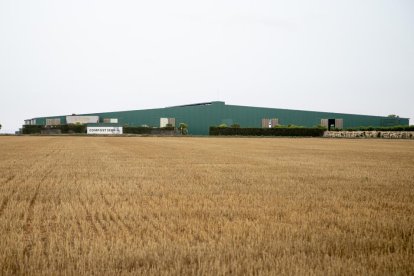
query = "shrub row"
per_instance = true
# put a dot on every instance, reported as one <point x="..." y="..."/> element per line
<point x="73" y="128"/>
<point x="304" y="132"/>
<point x="136" y="130"/>
<point x="146" y="130"/>
<point x="31" y="129"/>
<point x="36" y="129"/>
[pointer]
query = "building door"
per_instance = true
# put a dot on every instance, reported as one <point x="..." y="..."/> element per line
<point x="331" y="124"/>
<point x="269" y="123"/>
<point x="339" y="123"/>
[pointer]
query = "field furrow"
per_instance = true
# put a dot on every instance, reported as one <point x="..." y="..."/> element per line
<point x="6" y="201"/>
<point x="114" y="217"/>
<point x="89" y="217"/>
<point x="30" y="211"/>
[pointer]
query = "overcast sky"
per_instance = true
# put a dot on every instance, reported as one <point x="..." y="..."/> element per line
<point x="63" y="57"/>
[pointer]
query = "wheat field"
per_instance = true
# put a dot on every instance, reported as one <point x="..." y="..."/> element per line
<point x="206" y="206"/>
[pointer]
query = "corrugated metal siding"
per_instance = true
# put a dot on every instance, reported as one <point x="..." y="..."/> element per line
<point x="200" y="117"/>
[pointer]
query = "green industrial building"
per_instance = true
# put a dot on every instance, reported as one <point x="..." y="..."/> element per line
<point x="199" y="117"/>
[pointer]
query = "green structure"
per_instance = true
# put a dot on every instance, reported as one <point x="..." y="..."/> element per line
<point x="199" y="117"/>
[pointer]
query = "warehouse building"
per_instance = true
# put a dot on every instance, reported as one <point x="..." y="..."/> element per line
<point x="199" y="117"/>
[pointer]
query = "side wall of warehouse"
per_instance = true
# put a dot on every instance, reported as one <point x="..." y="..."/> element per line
<point x="200" y="117"/>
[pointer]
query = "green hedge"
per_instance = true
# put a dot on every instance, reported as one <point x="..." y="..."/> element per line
<point x="37" y="129"/>
<point x="31" y="129"/>
<point x="145" y="130"/>
<point x="300" y="132"/>
<point x="136" y="130"/>
<point x="72" y="128"/>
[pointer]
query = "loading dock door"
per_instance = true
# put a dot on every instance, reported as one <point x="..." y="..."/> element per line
<point x="324" y="123"/>
<point x="331" y="124"/>
<point x="167" y="121"/>
<point x="339" y="123"/>
<point x="269" y="123"/>
<point x="265" y="123"/>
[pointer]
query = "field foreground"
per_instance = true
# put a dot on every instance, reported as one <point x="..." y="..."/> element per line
<point x="83" y="205"/>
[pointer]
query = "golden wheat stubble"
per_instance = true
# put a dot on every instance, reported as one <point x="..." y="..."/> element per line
<point x="82" y="205"/>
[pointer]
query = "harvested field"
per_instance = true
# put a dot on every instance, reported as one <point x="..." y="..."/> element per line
<point x="106" y="205"/>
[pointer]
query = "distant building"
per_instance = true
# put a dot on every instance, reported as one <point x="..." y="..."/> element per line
<point x="201" y="116"/>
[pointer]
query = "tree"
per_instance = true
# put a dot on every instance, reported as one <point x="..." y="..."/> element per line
<point x="222" y="126"/>
<point x="393" y="116"/>
<point x="183" y="128"/>
<point x="235" y="126"/>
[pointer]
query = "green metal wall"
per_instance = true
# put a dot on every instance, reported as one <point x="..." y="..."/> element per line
<point x="201" y="117"/>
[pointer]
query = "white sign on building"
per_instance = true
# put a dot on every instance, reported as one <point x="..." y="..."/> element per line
<point x="104" y="130"/>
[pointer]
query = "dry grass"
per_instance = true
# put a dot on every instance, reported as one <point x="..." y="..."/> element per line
<point x="82" y="205"/>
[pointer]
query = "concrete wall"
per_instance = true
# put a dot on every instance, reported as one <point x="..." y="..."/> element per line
<point x="370" y="134"/>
